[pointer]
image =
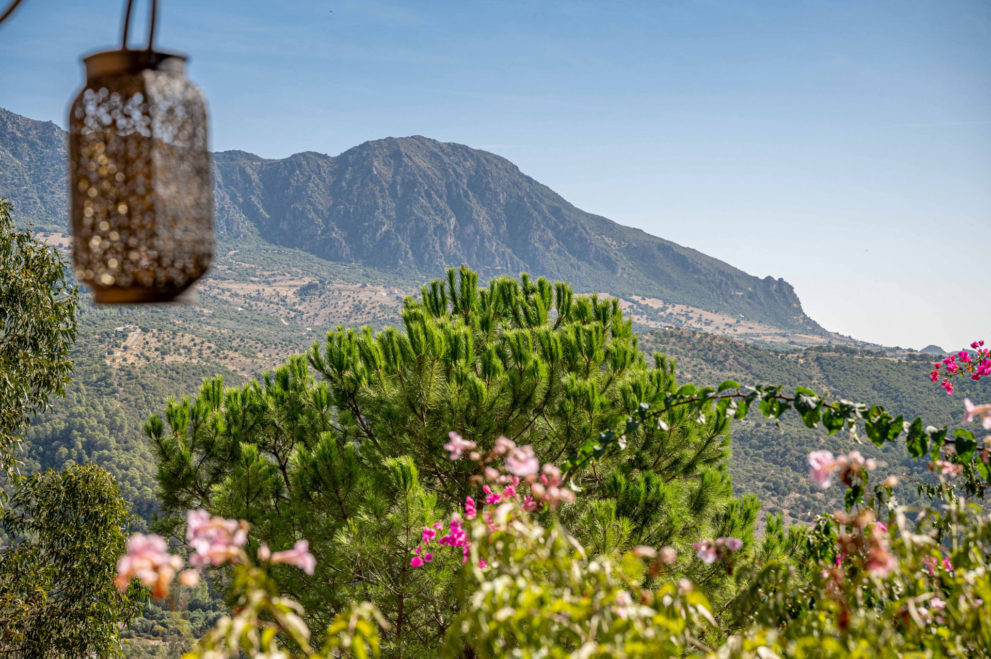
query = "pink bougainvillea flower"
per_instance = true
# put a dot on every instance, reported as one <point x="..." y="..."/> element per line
<point x="214" y="540"/>
<point x="457" y="446"/>
<point x="298" y="556"/>
<point x="149" y="561"/>
<point x="522" y="462"/>
<point x="948" y="386"/>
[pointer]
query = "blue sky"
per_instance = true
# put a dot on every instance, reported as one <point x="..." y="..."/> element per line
<point x="844" y="145"/>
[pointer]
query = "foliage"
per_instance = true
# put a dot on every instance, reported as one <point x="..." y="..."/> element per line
<point x="352" y="461"/>
<point x="264" y="624"/>
<point x="37" y="327"/>
<point x="56" y="578"/>
<point x="769" y="455"/>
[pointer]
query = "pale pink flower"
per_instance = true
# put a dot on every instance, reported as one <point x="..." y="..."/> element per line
<point x="948" y="468"/>
<point x="710" y="551"/>
<point x="147" y="560"/>
<point x="189" y="578"/>
<point x="971" y="411"/>
<point x="706" y="551"/>
<point x="522" y="462"/>
<point x="732" y="544"/>
<point x="503" y="445"/>
<point x="881" y="562"/>
<point x="457" y="446"/>
<point x="624" y="604"/>
<point x="214" y="540"/>
<point x="298" y="556"/>
<point x="822" y="464"/>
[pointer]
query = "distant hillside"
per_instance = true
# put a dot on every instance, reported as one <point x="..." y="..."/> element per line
<point x="414" y="206"/>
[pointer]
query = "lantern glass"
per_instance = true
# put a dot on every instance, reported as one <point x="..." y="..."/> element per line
<point x="140" y="177"/>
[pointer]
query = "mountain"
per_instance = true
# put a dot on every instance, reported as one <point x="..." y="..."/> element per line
<point x="415" y="205"/>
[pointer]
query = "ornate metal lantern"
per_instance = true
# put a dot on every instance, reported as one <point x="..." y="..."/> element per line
<point x="140" y="176"/>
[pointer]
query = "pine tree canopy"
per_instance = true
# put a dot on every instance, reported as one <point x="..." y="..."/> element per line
<point x="344" y="446"/>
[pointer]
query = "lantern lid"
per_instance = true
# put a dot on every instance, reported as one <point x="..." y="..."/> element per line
<point x="127" y="61"/>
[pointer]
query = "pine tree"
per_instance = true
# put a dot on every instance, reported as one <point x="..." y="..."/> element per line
<point x="344" y="446"/>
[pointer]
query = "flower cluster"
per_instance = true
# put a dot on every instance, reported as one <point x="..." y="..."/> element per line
<point x="931" y="564"/>
<point x="710" y="551"/>
<point x="500" y="486"/>
<point x="213" y="541"/>
<point x="456" y="536"/>
<point x="822" y="465"/>
<point x="519" y="464"/>
<point x="963" y="363"/>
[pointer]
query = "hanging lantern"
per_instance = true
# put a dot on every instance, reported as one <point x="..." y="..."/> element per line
<point x="140" y="176"/>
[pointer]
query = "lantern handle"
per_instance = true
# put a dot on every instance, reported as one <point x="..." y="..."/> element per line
<point x="9" y="10"/>
<point x="127" y="23"/>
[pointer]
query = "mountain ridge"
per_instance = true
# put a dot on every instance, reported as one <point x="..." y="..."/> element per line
<point x="415" y="204"/>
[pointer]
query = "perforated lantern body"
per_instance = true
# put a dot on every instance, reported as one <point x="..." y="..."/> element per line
<point x="140" y="176"/>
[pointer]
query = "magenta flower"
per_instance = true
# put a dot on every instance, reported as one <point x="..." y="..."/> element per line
<point x="948" y="386"/>
<point x="522" y="462"/>
<point x="416" y="562"/>
<point x="457" y="446"/>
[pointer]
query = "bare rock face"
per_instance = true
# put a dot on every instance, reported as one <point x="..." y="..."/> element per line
<point x="417" y="205"/>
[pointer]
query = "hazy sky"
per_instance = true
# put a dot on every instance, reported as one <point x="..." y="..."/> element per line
<point x="844" y="145"/>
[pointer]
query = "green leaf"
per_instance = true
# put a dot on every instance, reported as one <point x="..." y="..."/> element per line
<point x="964" y="444"/>
<point x="728" y="384"/>
<point x="917" y="441"/>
